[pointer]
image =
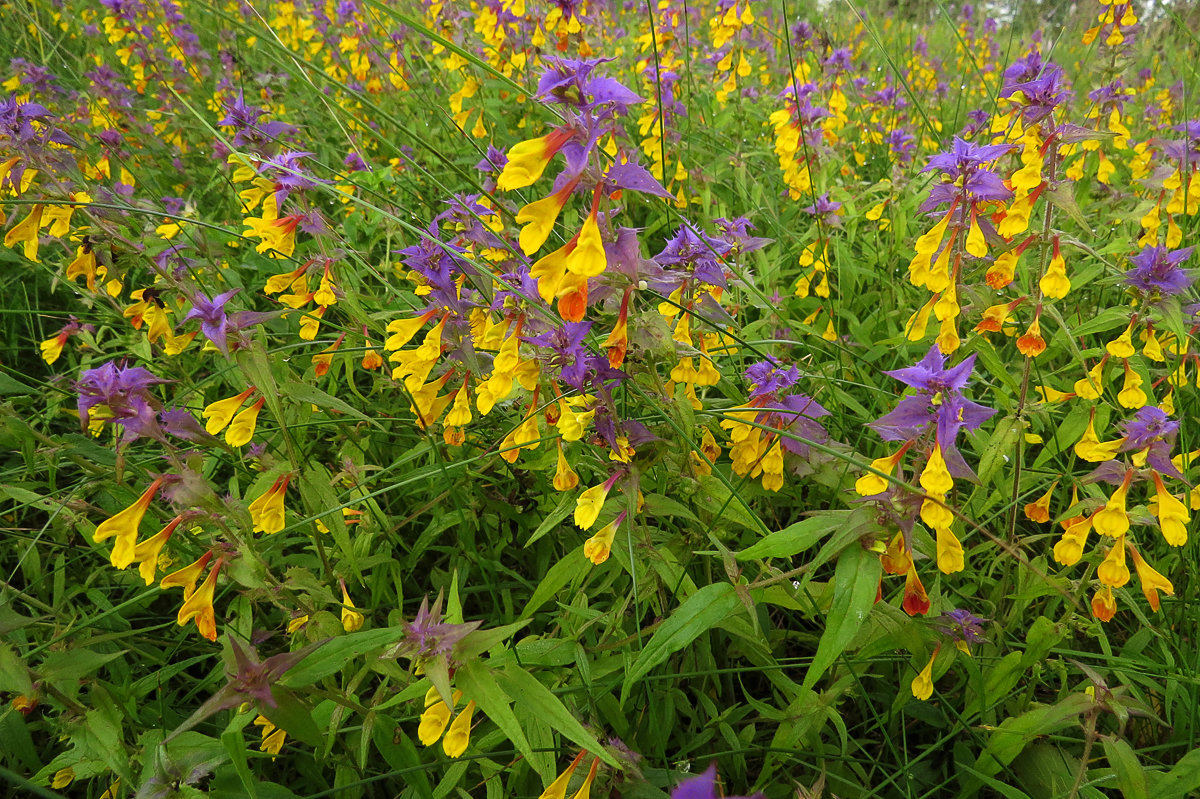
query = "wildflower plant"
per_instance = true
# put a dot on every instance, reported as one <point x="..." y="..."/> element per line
<point x="657" y="343"/>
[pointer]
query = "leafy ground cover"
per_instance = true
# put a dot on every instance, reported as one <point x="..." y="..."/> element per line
<point x="446" y="399"/>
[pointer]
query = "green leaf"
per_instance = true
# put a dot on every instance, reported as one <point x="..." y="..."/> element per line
<point x="567" y="569"/>
<point x="534" y="700"/>
<point x="1181" y="781"/>
<point x="10" y="385"/>
<point x="699" y="613"/>
<point x="565" y="507"/>
<point x="302" y="392"/>
<point x="1131" y="777"/>
<point x="321" y="501"/>
<point x="14" y="676"/>
<point x="855" y="583"/>
<point x="401" y="754"/>
<point x="293" y="716"/>
<point x="74" y="664"/>
<point x="235" y="745"/>
<point x="478" y="684"/>
<point x="333" y="656"/>
<point x="480" y="641"/>
<point x="658" y="505"/>
<point x="1015" y="733"/>
<point x="716" y="498"/>
<point x="795" y="538"/>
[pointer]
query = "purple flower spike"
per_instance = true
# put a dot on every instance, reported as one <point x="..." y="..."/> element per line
<point x="1158" y="271"/>
<point x="125" y="393"/>
<point x="703" y="786"/>
<point x="938" y="405"/>
<point x="1152" y="430"/>
<point x="213" y="321"/>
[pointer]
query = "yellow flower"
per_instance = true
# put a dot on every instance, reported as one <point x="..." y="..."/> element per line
<point x="186" y="577"/>
<point x="267" y="512"/>
<point x="52" y="347"/>
<point x="949" y="551"/>
<point x="1172" y="514"/>
<point x="558" y="788"/>
<point x="936" y="477"/>
<point x="922" y="684"/>
<point x="1091" y="449"/>
<point x="1091" y="386"/>
<point x="241" y="429"/>
<point x="352" y="620"/>
<point x="1152" y="582"/>
<point x="62" y="778"/>
<point x="272" y="736"/>
<point x="1039" y="510"/>
<point x="597" y="548"/>
<point x="1122" y="345"/>
<point x="124" y="526"/>
<point x="1112" y="571"/>
<point x="218" y="414"/>
<point x="146" y="552"/>
<point x="25" y="233"/>
<point x="1112" y="520"/>
<point x="1104" y="604"/>
<point x="1070" y="547"/>
<point x="1131" y="394"/>
<point x="588" y="505"/>
<point x="402" y="330"/>
<point x="588" y="258"/>
<point x="538" y="217"/>
<point x="436" y="716"/>
<point x="565" y="478"/>
<point x="528" y="159"/>
<point x="1055" y="284"/>
<point x="199" y="605"/>
<point x="459" y="734"/>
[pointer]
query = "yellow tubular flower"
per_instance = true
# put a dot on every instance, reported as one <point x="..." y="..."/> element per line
<point x="936" y="477"/>
<point x="1091" y="449"/>
<point x="186" y="577"/>
<point x="589" y="503"/>
<point x="218" y="414"/>
<point x="558" y="788"/>
<point x="565" y="478"/>
<point x="528" y="159"/>
<point x="922" y="684"/>
<point x="436" y="716"/>
<point x="1173" y="515"/>
<point x="538" y="218"/>
<point x="199" y="606"/>
<point x="124" y="526"/>
<point x="272" y="736"/>
<point x="1070" y="548"/>
<point x="267" y="512"/>
<point x="949" y="552"/>
<point x="585" y="790"/>
<point x="1091" y="386"/>
<point x="598" y="547"/>
<point x="352" y="620"/>
<point x="1039" y="510"/>
<point x="146" y="552"/>
<point x="25" y="233"/>
<point x="459" y="734"/>
<point x="241" y="429"/>
<point x="1122" y="345"/>
<point x="588" y="258"/>
<point x="1152" y="582"/>
<point x="1112" y="520"/>
<point x="1112" y="571"/>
